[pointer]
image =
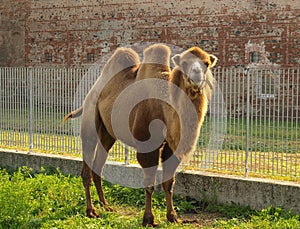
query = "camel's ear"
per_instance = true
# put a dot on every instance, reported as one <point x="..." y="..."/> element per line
<point x="213" y="60"/>
<point x="176" y="59"/>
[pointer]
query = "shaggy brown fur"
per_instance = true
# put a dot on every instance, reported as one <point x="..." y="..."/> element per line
<point x="119" y="72"/>
<point x="172" y="150"/>
<point x="200" y="95"/>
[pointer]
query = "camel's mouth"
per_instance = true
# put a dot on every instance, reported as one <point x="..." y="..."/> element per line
<point x="200" y="84"/>
<point x="199" y="81"/>
<point x="197" y="72"/>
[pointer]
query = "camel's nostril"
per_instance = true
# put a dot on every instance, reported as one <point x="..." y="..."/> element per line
<point x="196" y="70"/>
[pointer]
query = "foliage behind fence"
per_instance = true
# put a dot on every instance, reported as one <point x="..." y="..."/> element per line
<point x="252" y="125"/>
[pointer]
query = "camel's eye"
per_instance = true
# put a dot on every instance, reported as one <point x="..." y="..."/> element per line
<point x="184" y="65"/>
<point x="206" y="64"/>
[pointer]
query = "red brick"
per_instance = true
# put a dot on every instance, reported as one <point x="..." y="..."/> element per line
<point x="72" y="28"/>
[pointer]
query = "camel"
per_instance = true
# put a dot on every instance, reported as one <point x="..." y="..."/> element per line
<point x="164" y="109"/>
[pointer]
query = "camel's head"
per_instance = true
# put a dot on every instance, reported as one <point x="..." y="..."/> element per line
<point x="195" y="63"/>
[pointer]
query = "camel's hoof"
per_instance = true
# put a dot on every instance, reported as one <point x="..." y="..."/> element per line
<point x="172" y="217"/>
<point x="148" y="220"/>
<point x="150" y="224"/>
<point x="109" y="208"/>
<point x="91" y="213"/>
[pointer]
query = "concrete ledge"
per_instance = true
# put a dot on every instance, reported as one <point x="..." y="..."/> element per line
<point x="256" y="193"/>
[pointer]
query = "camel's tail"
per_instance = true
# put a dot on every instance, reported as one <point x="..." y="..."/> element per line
<point x="73" y="114"/>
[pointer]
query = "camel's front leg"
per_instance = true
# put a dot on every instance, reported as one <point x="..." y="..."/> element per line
<point x="148" y="218"/>
<point x="169" y="164"/>
<point x="149" y="163"/>
<point x="168" y="189"/>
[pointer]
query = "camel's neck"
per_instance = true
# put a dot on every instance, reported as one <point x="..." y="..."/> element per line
<point x="185" y="121"/>
<point x="195" y="94"/>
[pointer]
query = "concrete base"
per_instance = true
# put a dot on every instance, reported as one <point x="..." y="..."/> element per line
<point x="256" y="193"/>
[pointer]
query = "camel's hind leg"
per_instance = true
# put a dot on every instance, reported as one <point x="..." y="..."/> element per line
<point x="149" y="163"/>
<point x="89" y="142"/>
<point x="169" y="164"/>
<point x="86" y="174"/>
<point x="100" y="158"/>
<point x="91" y="135"/>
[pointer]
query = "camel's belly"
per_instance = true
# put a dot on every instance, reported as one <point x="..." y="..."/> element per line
<point x="132" y="127"/>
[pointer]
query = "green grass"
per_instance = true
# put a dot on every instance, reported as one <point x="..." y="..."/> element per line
<point x="49" y="199"/>
<point x="265" y="134"/>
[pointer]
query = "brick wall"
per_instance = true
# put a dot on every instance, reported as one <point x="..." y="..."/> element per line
<point x="77" y="32"/>
<point x="12" y="32"/>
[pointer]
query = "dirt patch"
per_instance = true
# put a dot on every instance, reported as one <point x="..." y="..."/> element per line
<point x="198" y="220"/>
<point x="201" y="220"/>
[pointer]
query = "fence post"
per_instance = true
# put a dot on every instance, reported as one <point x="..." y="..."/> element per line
<point x="247" y="73"/>
<point x="31" y="112"/>
<point x="126" y="155"/>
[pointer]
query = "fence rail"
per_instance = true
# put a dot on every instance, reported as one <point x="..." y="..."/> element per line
<point x="252" y="126"/>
